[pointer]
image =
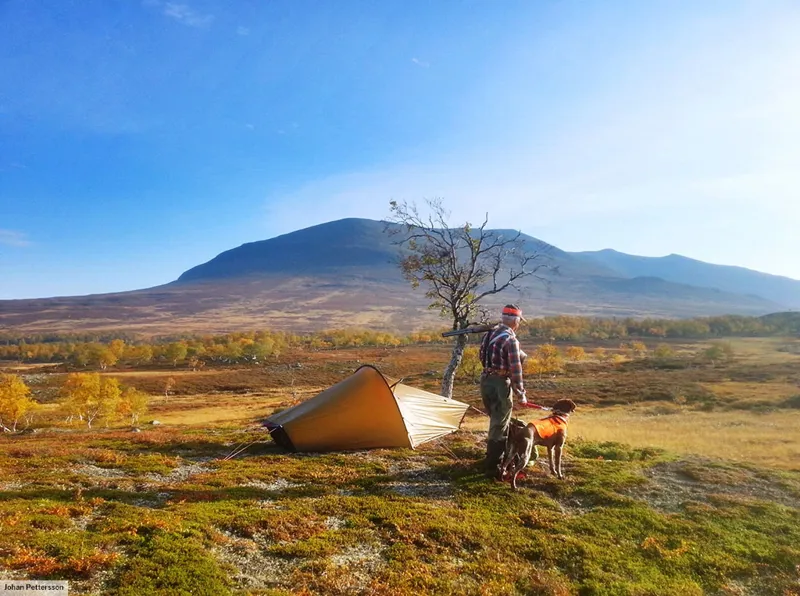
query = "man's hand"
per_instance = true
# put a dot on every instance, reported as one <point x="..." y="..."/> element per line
<point x="523" y="399"/>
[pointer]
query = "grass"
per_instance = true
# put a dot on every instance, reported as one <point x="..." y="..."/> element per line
<point x="383" y="522"/>
<point x="752" y="396"/>
<point x="678" y="482"/>
<point x="767" y="439"/>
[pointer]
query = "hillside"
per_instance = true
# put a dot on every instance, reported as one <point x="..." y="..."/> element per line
<point x="335" y="246"/>
<point x="683" y="270"/>
<point x="344" y="274"/>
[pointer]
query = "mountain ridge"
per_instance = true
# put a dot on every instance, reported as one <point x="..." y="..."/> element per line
<point x="681" y="269"/>
<point x="343" y="274"/>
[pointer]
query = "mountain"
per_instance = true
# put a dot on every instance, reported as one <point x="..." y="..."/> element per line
<point x="345" y="246"/>
<point x="330" y="247"/>
<point x="683" y="270"/>
<point x="344" y="274"/>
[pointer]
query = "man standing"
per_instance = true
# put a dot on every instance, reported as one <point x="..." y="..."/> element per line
<point x="502" y="361"/>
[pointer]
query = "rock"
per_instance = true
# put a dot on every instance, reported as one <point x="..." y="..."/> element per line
<point x="136" y="430"/>
<point x="155" y="423"/>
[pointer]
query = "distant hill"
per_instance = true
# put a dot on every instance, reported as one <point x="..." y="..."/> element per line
<point x="343" y="245"/>
<point x="344" y="274"/>
<point x="683" y="270"/>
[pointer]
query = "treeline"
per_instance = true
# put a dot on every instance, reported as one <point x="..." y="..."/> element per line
<point x="254" y="347"/>
<point x="104" y="350"/>
<point x="548" y="359"/>
<point x="568" y="328"/>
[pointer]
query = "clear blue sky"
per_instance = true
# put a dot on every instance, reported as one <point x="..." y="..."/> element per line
<point x="141" y="138"/>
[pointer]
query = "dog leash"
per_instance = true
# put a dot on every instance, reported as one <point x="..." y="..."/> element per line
<point x="528" y="406"/>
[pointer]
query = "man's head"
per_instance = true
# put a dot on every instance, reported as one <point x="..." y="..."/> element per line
<point x="511" y="316"/>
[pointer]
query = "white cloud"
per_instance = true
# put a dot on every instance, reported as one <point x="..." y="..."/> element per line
<point x="243" y="31"/>
<point x="14" y="238"/>
<point x="420" y="63"/>
<point x="182" y="13"/>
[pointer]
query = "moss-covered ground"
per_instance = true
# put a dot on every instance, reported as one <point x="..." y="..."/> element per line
<point x="162" y="511"/>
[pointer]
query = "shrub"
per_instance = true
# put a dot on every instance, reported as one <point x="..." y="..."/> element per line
<point x="792" y="402"/>
<point x="546" y="359"/>
<point x="576" y="353"/>
<point x="718" y="352"/>
<point x="471" y="366"/>
<point x="663" y="351"/>
<point x="614" y="451"/>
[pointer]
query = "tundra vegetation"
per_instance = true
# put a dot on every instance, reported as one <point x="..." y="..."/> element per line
<point x="682" y="472"/>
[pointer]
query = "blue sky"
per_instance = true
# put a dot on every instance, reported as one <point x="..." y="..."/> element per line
<point x="140" y="138"/>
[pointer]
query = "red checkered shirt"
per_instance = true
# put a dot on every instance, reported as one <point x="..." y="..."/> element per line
<point x="500" y="353"/>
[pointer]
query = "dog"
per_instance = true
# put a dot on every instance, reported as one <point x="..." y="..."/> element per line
<point x="550" y="432"/>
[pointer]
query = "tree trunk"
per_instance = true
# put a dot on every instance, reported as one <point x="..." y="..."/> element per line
<point x="455" y="359"/>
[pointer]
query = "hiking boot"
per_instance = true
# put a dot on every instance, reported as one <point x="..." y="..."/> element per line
<point x="494" y="456"/>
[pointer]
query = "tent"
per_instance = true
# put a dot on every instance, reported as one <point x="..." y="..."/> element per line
<point x="365" y="411"/>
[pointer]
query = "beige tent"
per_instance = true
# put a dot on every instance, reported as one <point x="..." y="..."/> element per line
<point x="365" y="411"/>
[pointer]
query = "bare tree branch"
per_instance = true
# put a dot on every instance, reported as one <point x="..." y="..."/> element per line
<point x="460" y="266"/>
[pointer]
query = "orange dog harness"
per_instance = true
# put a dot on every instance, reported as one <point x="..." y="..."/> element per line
<point x="547" y="427"/>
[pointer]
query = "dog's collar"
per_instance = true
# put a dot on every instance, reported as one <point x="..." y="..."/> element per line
<point x="562" y="416"/>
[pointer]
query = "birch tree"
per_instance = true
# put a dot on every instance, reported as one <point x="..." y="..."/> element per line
<point x="88" y="396"/>
<point x="133" y="404"/>
<point x="15" y="401"/>
<point x="459" y="267"/>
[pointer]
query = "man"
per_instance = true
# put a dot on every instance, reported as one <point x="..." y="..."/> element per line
<point x="502" y="361"/>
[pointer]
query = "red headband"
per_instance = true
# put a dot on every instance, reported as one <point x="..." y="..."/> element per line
<point x="512" y="312"/>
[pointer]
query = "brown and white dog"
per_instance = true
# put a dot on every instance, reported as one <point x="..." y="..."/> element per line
<point x="550" y="432"/>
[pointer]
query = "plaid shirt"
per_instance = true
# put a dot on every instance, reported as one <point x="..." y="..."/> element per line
<point x="500" y="353"/>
